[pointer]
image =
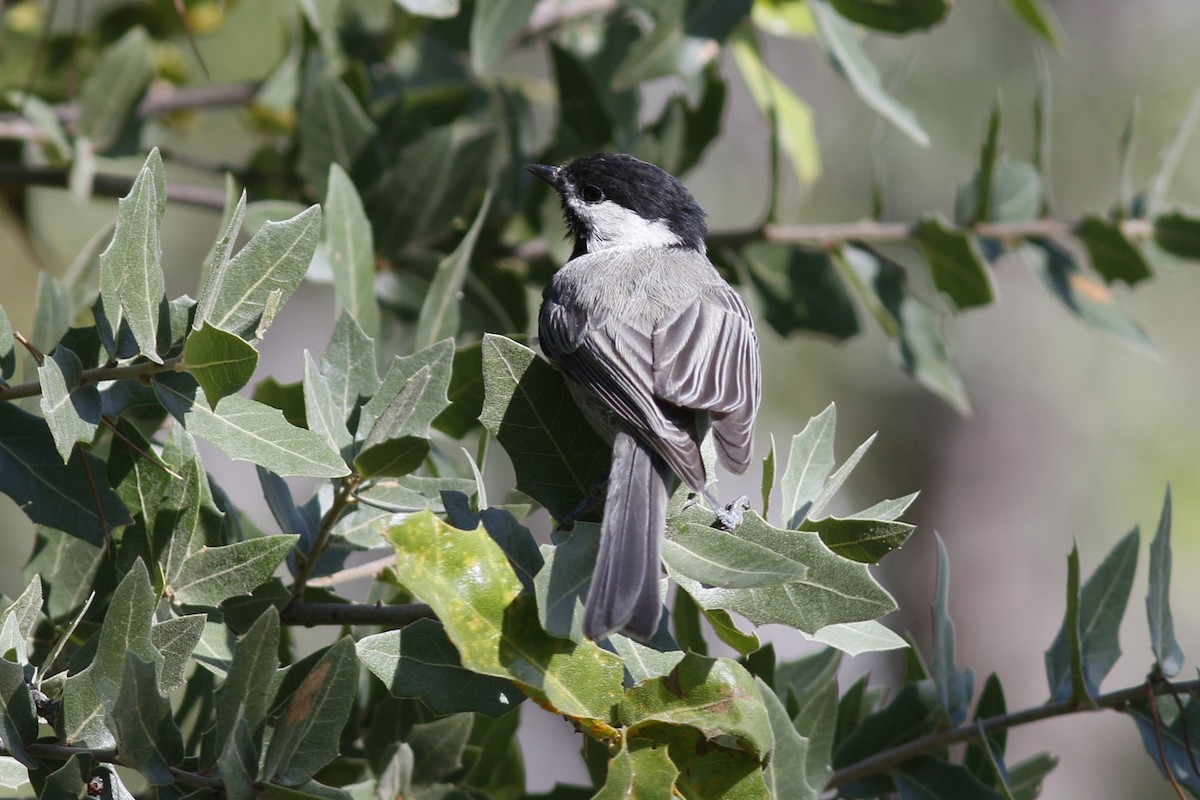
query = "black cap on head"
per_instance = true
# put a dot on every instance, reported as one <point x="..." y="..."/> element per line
<point x="650" y="192"/>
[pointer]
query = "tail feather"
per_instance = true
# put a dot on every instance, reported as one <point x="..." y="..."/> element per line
<point x="624" y="591"/>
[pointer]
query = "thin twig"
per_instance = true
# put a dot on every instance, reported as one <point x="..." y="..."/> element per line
<point x="367" y="570"/>
<point x="395" y="616"/>
<point x="342" y="499"/>
<point x="885" y="761"/>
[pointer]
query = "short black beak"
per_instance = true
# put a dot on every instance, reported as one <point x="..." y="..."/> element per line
<point x="548" y="174"/>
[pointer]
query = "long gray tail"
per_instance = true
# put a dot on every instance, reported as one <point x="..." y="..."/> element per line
<point x="624" y="592"/>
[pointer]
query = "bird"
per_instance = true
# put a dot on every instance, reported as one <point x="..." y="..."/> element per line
<point x="658" y="349"/>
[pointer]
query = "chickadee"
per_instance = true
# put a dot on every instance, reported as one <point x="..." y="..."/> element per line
<point x="658" y="348"/>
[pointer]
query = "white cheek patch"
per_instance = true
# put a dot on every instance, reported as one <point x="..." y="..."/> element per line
<point x="612" y="226"/>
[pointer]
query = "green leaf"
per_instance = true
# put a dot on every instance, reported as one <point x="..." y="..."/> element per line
<point x="420" y="661"/>
<point x="321" y="415"/>
<point x="306" y="737"/>
<point x="638" y="770"/>
<point x="858" y="539"/>
<point x="12" y="774"/>
<point x="913" y="325"/>
<point x="215" y="574"/>
<point x="442" y="9"/>
<point x="814" y="697"/>
<point x="467" y="580"/>
<point x="412" y="395"/>
<point x="1085" y="297"/>
<point x="18" y="717"/>
<point x="493" y="25"/>
<point x="52" y="312"/>
<point x="915" y="710"/>
<point x="232" y="217"/>
<point x="465" y="393"/>
<point x="854" y="638"/>
<point x="928" y="777"/>
<point x="1025" y="779"/>
<point x="19" y="620"/>
<point x="333" y="129"/>
<point x="561" y="586"/>
<point x="441" y="308"/>
<point x="131" y="277"/>
<point x="686" y="38"/>
<point x="67" y="782"/>
<point x="685" y="618"/>
<point x="800" y="290"/>
<point x="244" y="294"/>
<point x="81" y="717"/>
<point x="706" y="772"/>
<point x="841" y="44"/>
<point x="810" y="461"/>
<point x="1039" y="16"/>
<point x="438" y="747"/>
<point x="392" y="458"/>
<point x="1101" y="605"/>
<point x="1112" y="255"/>
<point x="557" y="456"/>
<point x="126" y="629"/>
<point x="71" y="410"/>
<point x="249" y="431"/>
<point x="641" y="661"/>
<point x="8" y="356"/>
<point x="348" y="365"/>
<point x="955" y="262"/>
<point x="1167" y="653"/>
<point x="713" y="557"/>
<point x="287" y="397"/>
<point x="238" y="761"/>
<point x="729" y="633"/>
<point x="220" y="362"/>
<point x="1178" y="232"/>
<point x="955" y="687"/>
<point x="792" y="120"/>
<point x="175" y="639"/>
<point x="242" y="699"/>
<point x="716" y="696"/>
<point x="894" y="16"/>
<point x="351" y="251"/>
<point x="147" y="736"/>
<point x="74" y="497"/>
<point x="423" y="190"/>
<point x="113" y="88"/>
<point x="984" y="756"/>
<point x="786" y="773"/>
<point x="834" y="590"/>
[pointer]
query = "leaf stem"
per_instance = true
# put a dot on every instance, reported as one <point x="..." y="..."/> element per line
<point x="886" y="760"/>
<point x="94" y="375"/>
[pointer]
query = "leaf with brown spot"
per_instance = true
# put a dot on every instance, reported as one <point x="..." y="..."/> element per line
<point x="306" y="739"/>
<point x="715" y="696"/>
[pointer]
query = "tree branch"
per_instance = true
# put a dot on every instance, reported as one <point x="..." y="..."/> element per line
<point x="59" y="752"/>
<point x="882" y="762"/>
<point x="109" y="185"/>
<point x="34" y="388"/>
<point x="310" y="614"/>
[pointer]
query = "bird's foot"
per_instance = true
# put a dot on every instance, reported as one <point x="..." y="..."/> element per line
<point x="730" y="515"/>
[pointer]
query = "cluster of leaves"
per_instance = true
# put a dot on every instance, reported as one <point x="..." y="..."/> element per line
<point x="111" y="475"/>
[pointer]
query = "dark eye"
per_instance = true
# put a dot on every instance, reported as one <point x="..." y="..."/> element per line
<point x="592" y="193"/>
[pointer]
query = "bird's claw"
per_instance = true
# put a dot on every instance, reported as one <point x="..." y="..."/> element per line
<point x="731" y="515"/>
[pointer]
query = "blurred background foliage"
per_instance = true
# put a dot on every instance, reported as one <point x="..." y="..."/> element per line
<point x="1071" y="433"/>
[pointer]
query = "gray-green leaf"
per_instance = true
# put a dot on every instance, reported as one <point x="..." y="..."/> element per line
<point x="351" y="251"/>
<point x="306" y="736"/>
<point x="215" y="574"/>
<point x="1167" y="653"/>
<point x="113" y="87"/>
<point x="131" y="278"/>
